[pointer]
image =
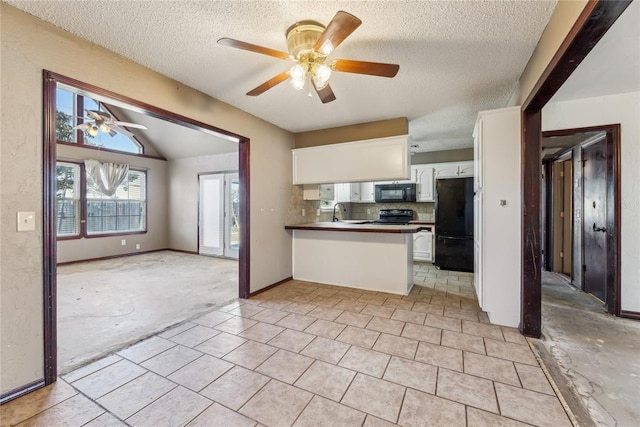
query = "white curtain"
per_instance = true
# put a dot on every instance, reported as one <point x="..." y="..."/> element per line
<point x="107" y="176"/>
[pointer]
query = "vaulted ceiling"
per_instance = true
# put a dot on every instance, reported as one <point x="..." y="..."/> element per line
<point x="456" y="58"/>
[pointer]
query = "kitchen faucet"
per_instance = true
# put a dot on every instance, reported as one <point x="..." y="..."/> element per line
<point x="335" y="218"/>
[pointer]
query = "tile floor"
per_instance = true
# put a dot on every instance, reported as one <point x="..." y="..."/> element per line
<point x="307" y="354"/>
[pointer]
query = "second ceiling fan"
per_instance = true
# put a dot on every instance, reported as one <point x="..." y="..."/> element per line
<point x="309" y="44"/>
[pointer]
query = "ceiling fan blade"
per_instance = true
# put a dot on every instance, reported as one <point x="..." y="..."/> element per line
<point x="326" y="95"/>
<point x="115" y="128"/>
<point x="340" y="27"/>
<point x="362" y="67"/>
<point x="98" y="115"/>
<point x="130" y="125"/>
<point x="253" y="48"/>
<point x="269" y="84"/>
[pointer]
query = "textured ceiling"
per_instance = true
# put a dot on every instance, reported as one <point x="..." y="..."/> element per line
<point x="456" y="58"/>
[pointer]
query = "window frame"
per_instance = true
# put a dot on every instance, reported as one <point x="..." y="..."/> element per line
<point x="81" y="208"/>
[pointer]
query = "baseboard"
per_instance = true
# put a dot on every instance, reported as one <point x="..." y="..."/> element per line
<point x="21" y="391"/>
<point x="627" y="314"/>
<point x="266" y="288"/>
<point x="183" y="251"/>
<point x="111" y="256"/>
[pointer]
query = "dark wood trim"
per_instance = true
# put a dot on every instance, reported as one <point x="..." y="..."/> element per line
<point x="124" y="233"/>
<point x="109" y="150"/>
<point x="573" y="131"/>
<point x="614" y="221"/>
<point x="627" y="314"/>
<point x="49" y="230"/>
<point x="102" y="258"/>
<point x="593" y="22"/>
<point x="244" y="220"/>
<point x="266" y="288"/>
<point x="183" y="251"/>
<point x="548" y="224"/>
<point x="21" y="391"/>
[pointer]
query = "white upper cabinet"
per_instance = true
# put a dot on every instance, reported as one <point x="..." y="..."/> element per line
<point x="453" y="169"/>
<point x="342" y="192"/>
<point x="465" y="169"/>
<point x="367" y="192"/>
<point x="318" y="192"/>
<point x="378" y="159"/>
<point x="422" y="176"/>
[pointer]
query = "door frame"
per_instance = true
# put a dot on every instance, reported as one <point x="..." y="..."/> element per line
<point x="50" y="80"/>
<point x="593" y="22"/>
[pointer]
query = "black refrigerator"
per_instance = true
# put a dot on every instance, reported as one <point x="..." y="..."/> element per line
<point x="454" y="224"/>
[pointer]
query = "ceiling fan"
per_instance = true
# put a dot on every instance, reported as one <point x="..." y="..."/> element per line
<point x="102" y="121"/>
<point x="309" y="44"/>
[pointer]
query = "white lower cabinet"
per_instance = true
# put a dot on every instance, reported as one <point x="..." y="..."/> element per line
<point x="423" y="246"/>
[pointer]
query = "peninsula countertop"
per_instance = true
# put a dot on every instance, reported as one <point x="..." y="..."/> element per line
<point x="356" y="226"/>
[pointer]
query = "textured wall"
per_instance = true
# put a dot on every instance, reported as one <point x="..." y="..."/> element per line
<point x="604" y="110"/>
<point x="29" y="46"/>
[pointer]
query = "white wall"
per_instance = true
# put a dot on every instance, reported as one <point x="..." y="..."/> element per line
<point x="30" y="45"/>
<point x="184" y="192"/>
<point x="625" y="110"/>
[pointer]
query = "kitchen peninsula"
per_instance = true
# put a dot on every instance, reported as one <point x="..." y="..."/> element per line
<point x="355" y="254"/>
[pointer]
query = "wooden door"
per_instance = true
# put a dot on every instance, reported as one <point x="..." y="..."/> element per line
<point x="594" y="238"/>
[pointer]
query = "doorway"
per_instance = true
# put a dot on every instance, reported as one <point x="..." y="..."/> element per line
<point x="218" y="225"/>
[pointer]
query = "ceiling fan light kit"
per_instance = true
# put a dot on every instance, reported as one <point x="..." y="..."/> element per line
<point x="102" y="121"/>
<point x="309" y="43"/>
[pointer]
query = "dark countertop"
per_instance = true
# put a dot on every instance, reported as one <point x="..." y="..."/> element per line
<point x="417" y="222"/>
<point x="354" y="227"/>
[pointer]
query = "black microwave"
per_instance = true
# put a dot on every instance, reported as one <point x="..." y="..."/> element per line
<point x="395" y="193"/>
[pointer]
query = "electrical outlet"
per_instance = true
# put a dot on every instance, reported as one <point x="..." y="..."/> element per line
<point x="303" y="212"/>
<point x="318" y="212"/>
<point x="123" y="242"/>
<point x="137" y="245"/>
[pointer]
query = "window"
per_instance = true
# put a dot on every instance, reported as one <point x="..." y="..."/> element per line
<point x="121" y="213"/>
<point x="67" y="199"/>
<point x="70" y="112"/>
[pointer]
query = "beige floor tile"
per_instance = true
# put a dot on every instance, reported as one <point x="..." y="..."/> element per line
<point x="325" y="292"/>
<point x="277" y="303"/>
<point x="398" y="303"/>
<point x="221" y="344"/>
<point x="285" y="366"/>
<point x="233" y="305"/>
<point x="292" y="340"/>
<point x="177" y="330"/>
<point x="250" y="354"/>
<point x="461" y="314"/>
<point x="358" y="336"/>
<point x="463" y="341"/>
<point x="374" y="396"/>
<point x="510" y="351"/>
<point x="397" y="346"/>
<point x="277" y="404"/>
<point x="513" y="335"/>
<point x="326" y="329"/>
<point x="446" y="301"/>
<point x="420" y="307"/>
<point x="348" y="295"/>
<point x="236" y="324"/>
<point x="372" y="421"/>
<point x="135" y="395"/>
<point x="299" y="308"/>
<point x="270" y="315"/>
<point x="490" y="368"/>
<point x="378" y="311"/>
<point x="350" y="305"/>
<point x="218" y="415"/>
<point x="388" y="326"/>
<point x="171" y="360"/>
<point x="437" y="355"/>
<point x="409" y="316"/>
<point x="75" y="411"/>
<point x="261" y="332"/>
<point x="531" y="407"/>
<point x="27" y="406"/>
<point x="105" y="420"/>
<point x="246" y="310"/>
<point x="212" y="319"/>
<point x="324" y="349"/>
<point x="146" y="349"/>
<point x="372" y="300"/>
<point x="483" y="317"/>
<point x="442" y="322"/>
<point x="175" y="408"/>
<point x="482" y="330"/>
<point x="299" y="322"/>
<point x="353" y="319"/>
<point x="479" y="418"/>
<point x="326" y="301"/>
<point x="91" y="368"/>
<point x="467" y="389"/>
<point x="422" y="333"/>
<point x="322" y="412"/>
<point x="425" y="410"/>
<point x="532" y="378"/>
<point x="201" y="372"/>
<point x="412" y="374"/>
<point x="108" y="379"/>
<point x="326" y="380"/>
<point x="366" y="361"/>
<point x="235" y="387"/>
<point x="325" y="313"/>
<point x="194" y="336"/>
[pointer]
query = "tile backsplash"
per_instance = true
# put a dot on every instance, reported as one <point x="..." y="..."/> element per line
<point x="421" y="211"/>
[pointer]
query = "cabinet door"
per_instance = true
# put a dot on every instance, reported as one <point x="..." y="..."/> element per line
<point x="465" y="169"/>
<point x="424" y="181"/>
<point x="422" y="246"/>
<point x="355" y="192"/>
<point x="446" y="170"/>
<point x="342" y="192"/>
<point x="367" y="192"/>
<point x="326" y="191"/>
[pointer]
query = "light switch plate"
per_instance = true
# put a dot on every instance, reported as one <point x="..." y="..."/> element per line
<point x="26" y="221"/>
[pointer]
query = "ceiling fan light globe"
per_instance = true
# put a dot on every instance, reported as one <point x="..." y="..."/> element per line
<point x="298" y="72"/>
<point x="298" y="84"/>
<point x="104" y="128"/>
<point x="321" y="74"/>
<point x="93" y="131"/>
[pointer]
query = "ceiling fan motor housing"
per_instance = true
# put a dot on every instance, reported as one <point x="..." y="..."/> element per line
<point x="302" y="36"/>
